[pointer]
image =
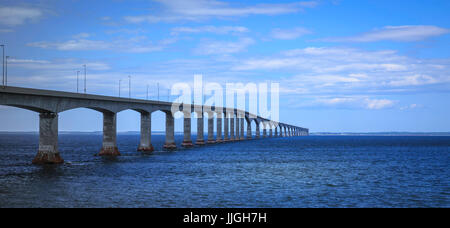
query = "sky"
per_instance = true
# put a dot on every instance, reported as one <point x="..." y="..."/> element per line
<point x="342" y="65"/>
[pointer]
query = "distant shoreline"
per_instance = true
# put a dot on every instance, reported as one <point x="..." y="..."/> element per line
<point x="381" y="134"/>
<point x="312" y="134"/>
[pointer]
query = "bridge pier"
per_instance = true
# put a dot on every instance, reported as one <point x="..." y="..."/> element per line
<point x="226" y="128"/>
<point x="242" y="128"/>
<point x="219" y="127"/>
<point x="170" y="132"/>
<point x="187" y="138"/>
<point x="232" y="127"/>
<point x="258" y="132"/>
<point x="109" y="147"/>
<point x="270" y="131"/>
<point x="211" y="128"/>
<point x="276" y="131"/>
<point x="145" y="144"/>
<point x="200" y="128"/>
<point x="48" y="140"/>
<point x="249" y="129"/>
<point x="264" y="130"/>
<point x="238" y="130"/>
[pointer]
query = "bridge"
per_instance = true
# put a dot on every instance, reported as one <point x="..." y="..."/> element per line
<point x="50" y="103"/>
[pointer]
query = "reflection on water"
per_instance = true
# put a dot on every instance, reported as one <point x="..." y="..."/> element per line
<point x="345" y="171"/>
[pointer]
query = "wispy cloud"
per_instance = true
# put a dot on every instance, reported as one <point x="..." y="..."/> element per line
<point x="349" y="102"/>
<point x="6" y="30"/>
<point x="223" y="47"/>
<point x="138" y="44"/>
<point x="13" y="16"/>
<point x="175" y="10"/>
<point x="210" y="29"/>
<point x="56" y="65"/>
<point x="407" y="33"/>
<point x="289" y="34"/>
<point x="317" y="70"/>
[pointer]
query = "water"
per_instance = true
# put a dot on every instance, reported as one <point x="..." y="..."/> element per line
<point x="315" y="171"/>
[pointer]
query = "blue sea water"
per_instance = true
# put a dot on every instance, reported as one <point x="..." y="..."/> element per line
<point x="314" y="171"/>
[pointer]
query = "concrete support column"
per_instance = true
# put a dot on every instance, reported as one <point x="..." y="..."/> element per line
<point x="170" y="132"/>
<point x="211" y="128"/>
<point x="200" y="128"/>
<point x="270" y="130"/>
<point x="187" y="138"/>
<point x="232" y="127"/>
<point x="285" y="132"/>
<point x="249" y="129"/>
<point x="264" y="130"/>
<point x="48" y="140"/>
<point x="276" y="131"/>
<point x="109" y="135"/>
<point x="226" y="137"/>
<point x="146" y="133"/>
<point x="238" y="130"/>
<point x="219" y="127"/>
<point x="242" y="128"/>
<point x="258" y="132"/>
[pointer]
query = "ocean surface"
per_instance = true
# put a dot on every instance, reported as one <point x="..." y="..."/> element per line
<point x="315" y="171"/>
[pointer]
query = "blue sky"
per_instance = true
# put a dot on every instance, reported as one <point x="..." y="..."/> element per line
<point x="342" y="65"/>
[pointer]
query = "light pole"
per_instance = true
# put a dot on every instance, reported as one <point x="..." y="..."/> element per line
<point x="158" y="90"/>
<point x="3" y="64"/>
<point x="147" y="91"/>
<point x="129" y="86"/>
<point x="84" y="78"/>
<point x="120" y="82"/>
<point x="78" y="76"/>
<point x="6" y="70"/>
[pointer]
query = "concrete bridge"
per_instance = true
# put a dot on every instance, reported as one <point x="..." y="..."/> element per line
<point x="49" y="103"/>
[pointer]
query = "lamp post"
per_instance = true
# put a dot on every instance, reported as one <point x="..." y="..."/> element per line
<point x="84" y="78"/>
<point x="147" y="91"/>
<point x="3" y="64"/>
<point x="120" y="82"/>
<point x="78" y="76"/>
<point x="158" y="90"/>
<point x="6" y="70"/>
<point x="129" y="86"/>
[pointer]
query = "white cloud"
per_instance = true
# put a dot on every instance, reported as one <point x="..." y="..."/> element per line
<point x="289" y="34"/>
<point x="351" y="102"/>
<point x="13" y="16"/>
<point x="407" y="33"/>
<point x="223" y="47"/>
<point x="81" y="35"/>
<point x="175" y="10"/>
<point x="210" y="29"/>
<point x="321" y="70"/>
<point x="56" y="65"/>
<point x="134" y="45"/>
<point x="6" y="30"/>
<point x="378" y="104"/>
<point x="411" y="106"/>
<point x="414" y="80"/>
